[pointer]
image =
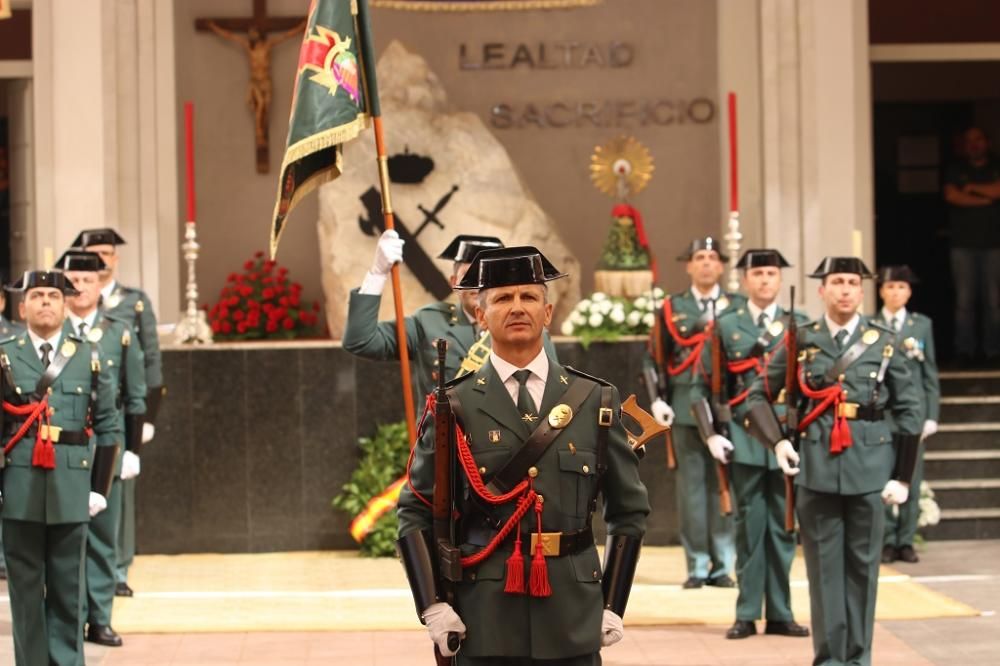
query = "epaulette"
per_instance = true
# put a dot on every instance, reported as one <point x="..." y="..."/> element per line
<point x="579" y="373"/>
<point x="881" y="326"/>
<point x="812" y="325"/>
<point x="8" y="338"/>
<point x="117" y="318"/>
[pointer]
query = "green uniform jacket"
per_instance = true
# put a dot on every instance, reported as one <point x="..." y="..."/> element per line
<point x="915" y="343"/>
<point x="568" y="623"/>
<point x="739" y="333"/>
<point x="686" y="315"/>
<point x="867" y="465"/>
<point x="367" y="337"/>
<point x="9" y="328"/>
<point x="134" y="307"/>
<point x="59" y="495"/>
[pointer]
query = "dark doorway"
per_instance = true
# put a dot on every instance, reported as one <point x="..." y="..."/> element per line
<point x="5" y="197"/>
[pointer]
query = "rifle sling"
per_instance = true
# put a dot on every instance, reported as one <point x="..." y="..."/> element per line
<point x="845" y="360"/>
<point x="48" y="378"/>
<point x="763" y="343"/>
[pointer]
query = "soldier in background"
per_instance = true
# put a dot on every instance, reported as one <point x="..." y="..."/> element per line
<point x="677" y="342"/>
<point x="132" y="305"/>
<point x="915" y="342"/>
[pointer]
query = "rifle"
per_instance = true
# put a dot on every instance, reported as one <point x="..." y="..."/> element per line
<point x="448" y="554"/>
<point x="656" y="383"/>
<point x="721" y="412"/>
<point x="791" y="405"/>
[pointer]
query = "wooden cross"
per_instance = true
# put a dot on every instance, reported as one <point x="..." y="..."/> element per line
<point x="258" y="47"/>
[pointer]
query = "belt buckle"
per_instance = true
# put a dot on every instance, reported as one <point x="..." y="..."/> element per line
<point x="848" y="410"/>
<point x="605" y="416"/>
<point x="550" y="543"/>
<point x="50" y="432"/>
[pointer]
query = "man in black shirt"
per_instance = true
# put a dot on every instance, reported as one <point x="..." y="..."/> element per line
<point x="972" y="190"/>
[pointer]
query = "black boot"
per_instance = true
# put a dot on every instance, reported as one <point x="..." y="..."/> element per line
<point x="741" y="629"/>
<point x="103" y="634"/>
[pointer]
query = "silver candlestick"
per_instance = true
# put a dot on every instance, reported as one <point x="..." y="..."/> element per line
<point x="733" y="238"/>
<point x="193" y="327"/>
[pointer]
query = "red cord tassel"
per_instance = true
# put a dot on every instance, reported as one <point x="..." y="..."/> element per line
<point x="539" y="584"/>
<point x="44" y="454"/>
<point x="515" y="569"/>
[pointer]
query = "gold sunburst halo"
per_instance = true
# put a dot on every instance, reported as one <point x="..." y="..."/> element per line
<point x="623" y="157"/>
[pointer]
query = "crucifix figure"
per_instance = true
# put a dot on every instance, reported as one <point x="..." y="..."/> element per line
<point x="257" y="45"/>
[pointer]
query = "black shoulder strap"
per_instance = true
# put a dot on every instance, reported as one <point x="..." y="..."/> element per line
<point x="763" y="343"/>
<point x="517" y="465"/>
<point x="52" y="372"/>
<point x="847" y="358"/>
<point x="95" y="373"/>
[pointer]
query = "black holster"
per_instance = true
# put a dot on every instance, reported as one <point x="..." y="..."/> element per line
<point x="763" y="425"/>
<point x="907" y="452"/>
<point x="133" y="432"/>
<point x="621" y="556"/>
<point x="417" y="555"/>
<point x="702" y="413"/>
<point x="154" y="396"/>
<point x="103" y="471"/>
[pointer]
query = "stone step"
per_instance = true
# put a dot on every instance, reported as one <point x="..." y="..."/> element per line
<point x="952" y="436"/>
<point x="971" y="382"/>
<point x="966" y="493"/>
<point x="970" y="408"/>
<point x="962" y="464"/>
<point x="965" y="524"/>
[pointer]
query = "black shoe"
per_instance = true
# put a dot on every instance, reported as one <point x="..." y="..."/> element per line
<point x="721" y="581"/>
<point x="791" y="628"/>
<point x="741" y="629"/>
<point x="907" y="554"/>
<point x="3" y="574"/>
<point x="103" y="634"/>
<point x="889" y="554"/>
<point x="693" y="583"/>
<point x="123" y="590"/>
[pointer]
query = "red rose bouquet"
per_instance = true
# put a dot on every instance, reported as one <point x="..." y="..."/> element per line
<point x="262" y="304"/>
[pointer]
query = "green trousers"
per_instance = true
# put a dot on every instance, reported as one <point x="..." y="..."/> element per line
<point x="125" y="549"/>
<point x="900" y="530"/>
<point x="707" y="535"/>
<point x="842" y="543"/>
<point x="45" y="582"/>
<point x="102" y="538"/>
<point x="583" y="660"/>
<point x="764" y="550"/>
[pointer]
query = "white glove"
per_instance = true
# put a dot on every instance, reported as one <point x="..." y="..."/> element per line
<point x="130" y="466"/>
<point x="662" y="412"/>
<point x="612" y="629"/>
<point x="895" y="492"/>
<point x="788" y="459"/>
<point x="389" y="251"/>
<point x="930" y="428"/>
<point x="97" y="503"/>
<point x="148" y="432"/>
<point x="441" y="619"/>
<point x="720" y="448"/>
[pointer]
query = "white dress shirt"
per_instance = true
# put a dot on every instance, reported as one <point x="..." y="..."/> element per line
<point x="539" y="367"/>
<point x="108" y="290"/>
<point x="771" y="311"/>
<point x="38" y="341"/>
<point x="88" y="320"/>
<point x="849" y="327"/>
<point x="713" y="294"/>
<point x="893" y="319"/>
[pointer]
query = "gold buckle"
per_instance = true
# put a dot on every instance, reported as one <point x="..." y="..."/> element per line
<point x="50" y="432"/>
<point x="848" y="410"/>
<point x="550" y="543"/>
<point x="604" y="416"/>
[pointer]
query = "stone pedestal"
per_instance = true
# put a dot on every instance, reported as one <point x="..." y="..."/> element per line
<point x="627" y="284"/>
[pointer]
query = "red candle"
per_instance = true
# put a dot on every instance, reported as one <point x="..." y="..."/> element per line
<point x="189" y="157"/>
<point x="734" y="163"/>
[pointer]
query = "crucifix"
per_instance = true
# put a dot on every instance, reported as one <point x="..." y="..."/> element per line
<point x="257" y="45"/>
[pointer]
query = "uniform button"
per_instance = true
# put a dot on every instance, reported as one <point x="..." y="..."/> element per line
<point x="586" y="469"/>
<point x="541" y="498"/>
<point x="79" y="389"/>
<point x="533" y="472"/>
<point x="482" y="470"/>
<point x="472" y="576"/>
<point x="52" y="410"/>
<point x="49" y="389"/>
<point x="84" y="463"/>
<point x="840" y="378"/>
<point x="596" y="574"/>
<point x="873" y="375"/>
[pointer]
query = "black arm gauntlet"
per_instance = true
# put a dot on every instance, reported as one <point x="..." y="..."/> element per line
<point x="621" y="555"/>
<point x="763" y="425"/>
<point x="415" y="551"/>
<point x="103" y="471"/>
<point x="154" y="396"/>
<point x="907" y="451"/>
<point x="702" y="413"/>
<point x="133" y="432"/>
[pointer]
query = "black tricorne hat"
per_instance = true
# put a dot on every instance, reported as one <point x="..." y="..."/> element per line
<point x="760" y="258"/>
<point x="504" y="267"/>
<point x="51" y="279"/>
<point x="897" y="273"/>
<point x="104" y="236"/>
<point x="703" y="243"/>
<point x="463" y="248"/>
<point x="831" y="265"/>
<point x="80" y="260"/>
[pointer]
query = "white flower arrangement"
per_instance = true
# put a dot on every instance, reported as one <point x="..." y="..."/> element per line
<point x="930" y="512"/>
<point x="603" y="317"/>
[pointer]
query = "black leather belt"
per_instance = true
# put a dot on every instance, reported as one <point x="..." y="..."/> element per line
<point x="855" y="412"/>
<point x="58" y="435"/>
<point x="554" y="544"/>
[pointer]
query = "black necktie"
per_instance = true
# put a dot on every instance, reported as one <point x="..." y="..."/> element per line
<point x="704" y="304"/>
<point x="762" y="320"/>
<point x="83" y="329"/>
<point x="840" y="338"/>
<point x="45" y="348"/>
<point x="525" y="404"/>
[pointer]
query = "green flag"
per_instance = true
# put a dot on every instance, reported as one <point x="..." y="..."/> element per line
<point x="335" y="96"/>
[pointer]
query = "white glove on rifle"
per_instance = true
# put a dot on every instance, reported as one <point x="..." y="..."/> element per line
<point x="788" y="459"/>
<point x="130" y="466"/>
<point x="612" y="628"/>
<point x="388" y="251"/>
<point x="148" y="432"/>
<point x="97" y="503"/>
<point x="930" y="428"/>
<point x="662" y="412"/>
<point x="720" y="448"/>
<point x="441" y="619"/>
<point x="895" y="492"/>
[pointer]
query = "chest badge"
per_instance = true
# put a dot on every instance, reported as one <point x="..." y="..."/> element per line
<point x="870" y="337"/>
<point x="114" y="300"/>
<point x="721" y="304"/>
<point x="776" y="328"/>
<point x="564" y="379"/>
<point x="95" y="334"/>
<point x="560" y="416"/>
<point x="494" y="436"/>
<point x="68" y="349"/>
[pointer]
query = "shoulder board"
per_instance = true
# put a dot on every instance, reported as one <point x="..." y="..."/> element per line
<point x="578" y="373"/>
<point x="731" y="313"/>
<point x="129" y="290"/>
<point x="440" y="306"/>
<point x="457" y="380"/>
<point x="801" y="318"/>
<point x="880" y="326"/>
<point x="116" y="317"/>
<point x="74" y="337"/>
<point x="8" y="338"/>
